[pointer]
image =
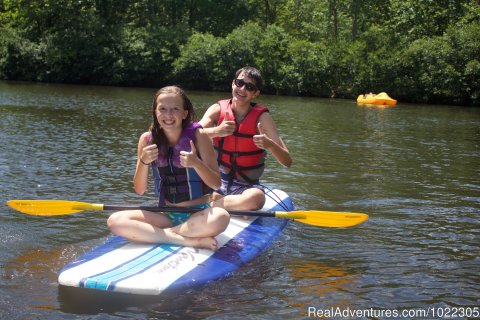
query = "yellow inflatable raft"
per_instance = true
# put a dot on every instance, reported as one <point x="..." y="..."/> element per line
<point x="379" y="99"/>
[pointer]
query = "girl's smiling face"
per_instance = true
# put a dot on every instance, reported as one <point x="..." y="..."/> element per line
<point x="170" y="111"/>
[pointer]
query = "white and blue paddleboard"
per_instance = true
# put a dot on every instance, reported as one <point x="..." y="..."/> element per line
<point x="119" y="265"/>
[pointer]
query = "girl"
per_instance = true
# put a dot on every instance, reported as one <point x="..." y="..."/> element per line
<point x="185" y="169"/>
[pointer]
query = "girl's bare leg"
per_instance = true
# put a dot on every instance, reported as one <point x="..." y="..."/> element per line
<point x="208" y="222"/>
<point x="151" y="227"/>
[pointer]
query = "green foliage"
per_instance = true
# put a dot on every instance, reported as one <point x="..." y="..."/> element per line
<point x="270" y="55"/>
<point x="307" y="71"/>
<point x="197" y="66"/>
<point x="442" y="69"/>
<point x="218" y="17"/>
<point x="20" y="58"/>
<point x="145" y="56"/>
<point x="416" y="50"/>
<point x="418" y="19"/>
<point x="215" y="59"/>
<point x="239" y="49"/>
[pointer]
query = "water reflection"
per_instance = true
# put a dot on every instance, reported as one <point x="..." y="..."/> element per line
<point x="36" y="271"/>
<point x="319" y="284"/>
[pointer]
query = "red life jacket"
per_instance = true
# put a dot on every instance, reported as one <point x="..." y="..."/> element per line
<point x="237" y="155"/>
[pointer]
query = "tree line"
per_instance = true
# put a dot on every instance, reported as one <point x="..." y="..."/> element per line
<point x="423" y="51"/>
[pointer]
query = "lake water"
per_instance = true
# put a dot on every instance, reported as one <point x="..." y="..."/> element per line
<point x="415" y="169"/>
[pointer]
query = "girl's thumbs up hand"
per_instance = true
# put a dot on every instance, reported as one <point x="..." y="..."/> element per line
<point x="188" y="159"/>
<point x="149" y="153"/>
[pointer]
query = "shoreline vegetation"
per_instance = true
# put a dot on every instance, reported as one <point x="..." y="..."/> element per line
<point x="416" y="51"/>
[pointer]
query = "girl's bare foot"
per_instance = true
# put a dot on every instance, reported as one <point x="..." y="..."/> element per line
<point x="205" y="243"/>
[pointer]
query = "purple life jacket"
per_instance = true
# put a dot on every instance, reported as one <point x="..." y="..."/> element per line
<point x="174" y="182"/>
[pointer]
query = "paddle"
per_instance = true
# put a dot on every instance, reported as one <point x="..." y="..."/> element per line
<point x="63" y="207"/>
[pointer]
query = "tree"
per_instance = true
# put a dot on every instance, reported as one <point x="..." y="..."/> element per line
<point x="422" y="51"/>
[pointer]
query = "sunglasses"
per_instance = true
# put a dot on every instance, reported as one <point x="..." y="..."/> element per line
<point x="248" y="85"/>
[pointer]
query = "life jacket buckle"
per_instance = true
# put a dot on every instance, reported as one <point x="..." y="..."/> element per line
<point x="172" y="190"/>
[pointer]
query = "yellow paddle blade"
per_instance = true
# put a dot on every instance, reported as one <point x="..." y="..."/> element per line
<point x="51" y="207"/>
<point x="325" y="218"/>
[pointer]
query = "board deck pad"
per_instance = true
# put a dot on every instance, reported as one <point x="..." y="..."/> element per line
<point x="119" y="265"/>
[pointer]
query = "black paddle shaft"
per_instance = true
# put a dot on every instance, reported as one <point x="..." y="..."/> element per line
<point x="187" y="209"/>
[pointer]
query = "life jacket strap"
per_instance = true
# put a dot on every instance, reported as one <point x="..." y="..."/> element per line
<point x="238" y="153"/>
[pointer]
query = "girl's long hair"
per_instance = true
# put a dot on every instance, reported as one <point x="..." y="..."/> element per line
<point x="158" y="135"/>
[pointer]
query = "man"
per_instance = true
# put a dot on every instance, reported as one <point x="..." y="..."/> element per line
<point x="242" y="132"/>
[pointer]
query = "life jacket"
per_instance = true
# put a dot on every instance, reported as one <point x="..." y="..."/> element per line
<point x="172" y="181"/>
<point x="237" y="155"/>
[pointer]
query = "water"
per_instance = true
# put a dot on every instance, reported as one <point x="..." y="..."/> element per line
<point x="414" y="169"/>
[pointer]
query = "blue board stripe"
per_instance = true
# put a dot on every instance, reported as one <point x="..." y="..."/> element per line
<point x="106" y="280"/>
<point x="142" y="268"/>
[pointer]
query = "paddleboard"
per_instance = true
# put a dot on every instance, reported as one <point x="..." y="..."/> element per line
<point x="119" y="265"/>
